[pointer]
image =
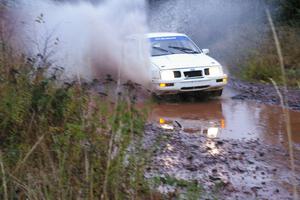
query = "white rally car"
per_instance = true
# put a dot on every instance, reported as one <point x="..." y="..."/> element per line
<point x="178" y="66"/>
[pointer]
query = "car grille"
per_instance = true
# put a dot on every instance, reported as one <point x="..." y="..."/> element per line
<point x="192" y="74"/>
<point x="206" y="71"/>
<point x="194" y="88"/>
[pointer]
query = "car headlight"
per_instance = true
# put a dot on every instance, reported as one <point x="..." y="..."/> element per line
<point x="215" y="70"/>
<point x="167" y="75"/>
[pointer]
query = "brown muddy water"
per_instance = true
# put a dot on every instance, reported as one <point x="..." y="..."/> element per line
<point x="229" y="119"/>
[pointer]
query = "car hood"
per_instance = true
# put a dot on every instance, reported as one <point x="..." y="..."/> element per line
<point x="176" y="61"/>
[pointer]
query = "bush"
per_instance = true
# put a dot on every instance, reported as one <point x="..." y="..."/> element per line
<point x="263" y="63"/>
<point x="64" y="141"/>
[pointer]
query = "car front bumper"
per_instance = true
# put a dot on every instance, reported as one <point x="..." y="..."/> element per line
<point x="189" y="85"/>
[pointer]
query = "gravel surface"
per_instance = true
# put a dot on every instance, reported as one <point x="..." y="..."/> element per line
<point x="225" y="169"/>
<point x="264" y="93"/>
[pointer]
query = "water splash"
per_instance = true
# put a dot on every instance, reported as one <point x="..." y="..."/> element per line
<point x="229" y="28"/>
<point x="89" y="40"/>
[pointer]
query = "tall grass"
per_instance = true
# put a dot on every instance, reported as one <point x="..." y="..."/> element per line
<point x="61" y="140"/>
<point x="261" y="62"/>
<point x="283" y="100"/>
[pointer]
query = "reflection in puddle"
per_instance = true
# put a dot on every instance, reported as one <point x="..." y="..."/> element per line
<point x="167" y="126"/>
<point x="212" y="147"/>
<point x="228" y="119"/>
<point x="249" y="165"/>
<point x="212" y="132"/>
<point x="210" y="128"/>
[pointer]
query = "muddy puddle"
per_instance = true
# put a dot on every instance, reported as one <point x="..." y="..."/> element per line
<point x="241" y="144"/>
<point x="229" y="119"/>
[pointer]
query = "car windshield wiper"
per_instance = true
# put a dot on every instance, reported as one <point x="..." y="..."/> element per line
<point x="184" y="49"/>
<point x="162" y="49"/>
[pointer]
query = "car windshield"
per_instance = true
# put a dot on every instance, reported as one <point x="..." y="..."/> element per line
<point x="172" y="45"/>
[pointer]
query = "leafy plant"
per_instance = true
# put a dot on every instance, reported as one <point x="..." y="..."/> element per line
<point x="187" y="189"/>
<point x="63" y="140"/>
<point x="263" y="64"/>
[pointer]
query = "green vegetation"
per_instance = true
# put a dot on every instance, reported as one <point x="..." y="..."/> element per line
<point x="62" y="140"/>
<point x="287" y="11"/>
<point x="190" y="190"/>
<point x="262" y="63"/>
<point x="187" y="190"/>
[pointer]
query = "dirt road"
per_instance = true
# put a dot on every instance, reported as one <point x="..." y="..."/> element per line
<point x="231" y="149"/>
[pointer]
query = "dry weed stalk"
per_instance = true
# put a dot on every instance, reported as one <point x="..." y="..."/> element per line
<point x="284" y="102"/>
<point x="5" y="195"/>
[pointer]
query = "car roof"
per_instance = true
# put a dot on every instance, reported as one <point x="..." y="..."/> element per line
<point x="164" y="34"/>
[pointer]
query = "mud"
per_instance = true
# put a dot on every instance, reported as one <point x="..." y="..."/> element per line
<point x="225" y="169"/>
<point x="265" y="93"/>
<point x="232" y="148"/>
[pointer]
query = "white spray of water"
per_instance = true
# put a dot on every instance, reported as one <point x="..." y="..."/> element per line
<point x="89" y="40"/>
<point x="229" y="28"/>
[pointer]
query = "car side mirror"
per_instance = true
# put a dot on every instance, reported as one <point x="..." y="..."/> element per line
<point x="205" y="51"/>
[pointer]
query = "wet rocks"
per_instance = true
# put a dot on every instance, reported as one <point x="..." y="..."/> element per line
<point x="261" y="154"/>
<point x="250" y="161"/>
<point x="264" y="93"/>
<point x="230" y="169"/>
<point x="214" y="178"/>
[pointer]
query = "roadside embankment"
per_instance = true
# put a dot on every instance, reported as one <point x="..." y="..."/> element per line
<point x="265" y="93"/>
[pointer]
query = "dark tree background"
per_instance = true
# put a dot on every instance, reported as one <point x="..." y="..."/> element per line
<point x="290" y="11"/>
